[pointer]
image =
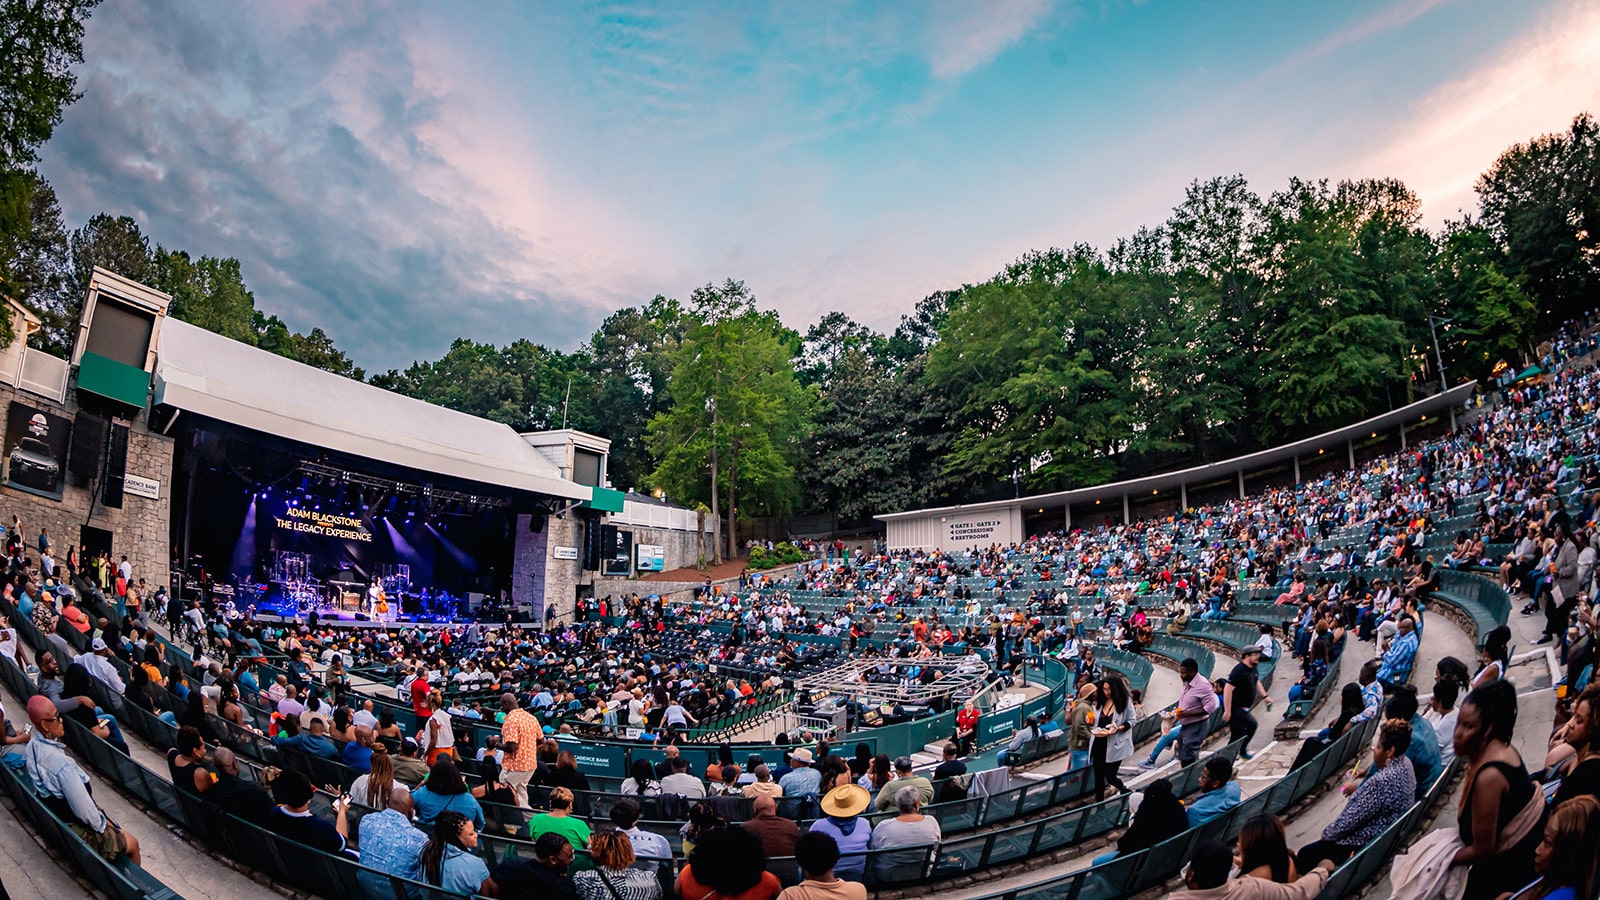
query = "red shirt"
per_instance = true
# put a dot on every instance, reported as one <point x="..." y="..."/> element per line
<point x="419" y="697"/>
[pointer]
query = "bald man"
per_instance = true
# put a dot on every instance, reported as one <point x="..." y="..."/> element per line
<point x="63" y="786"/>
<point x="358" y="753"/>
<point x="777" y="834"/>
<point x="233" y="794"/>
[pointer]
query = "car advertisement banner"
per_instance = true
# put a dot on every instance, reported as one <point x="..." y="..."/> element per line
<point x="36" y="450"/>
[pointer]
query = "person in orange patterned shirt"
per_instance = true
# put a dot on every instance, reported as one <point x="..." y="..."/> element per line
<point x="519" y="738"/>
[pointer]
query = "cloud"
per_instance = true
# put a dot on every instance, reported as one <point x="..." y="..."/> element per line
<point x="1532" y="85"/>
<point x="314" y="152"/>
<point x="967" y="36"/>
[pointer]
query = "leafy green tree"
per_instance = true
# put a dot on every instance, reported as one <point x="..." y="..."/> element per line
<point x="40" y="42"/>
<point x="208" y="292"/>
<point x="33" y="244"/>
<point x="629" y="366"/>
<point x="1541" y="200"/>
<point x="1493" y="318"/>
<point x="317" y="349"/>
<point x="738" y="415"/>
<point x="1345" y="277"/>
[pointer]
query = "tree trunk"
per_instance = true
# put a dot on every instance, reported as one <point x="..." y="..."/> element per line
<point x="733" y="518"/>
<point x="716" y="549"/>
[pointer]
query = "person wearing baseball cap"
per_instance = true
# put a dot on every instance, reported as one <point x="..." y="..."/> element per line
<point x="842" y="808"/>
<point x="63" y="787"/>
<point x="904" y="777"/>
<point x="1242" y="691"/>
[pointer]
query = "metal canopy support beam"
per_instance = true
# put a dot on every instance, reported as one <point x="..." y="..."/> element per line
<point x="1297" y="470"/>
<point x="1241" y="484"/>
<point x="1127" y="515"/>
<point x="1183" y="497"/>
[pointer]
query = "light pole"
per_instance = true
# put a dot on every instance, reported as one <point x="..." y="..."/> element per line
<point x="1433" y="322"/>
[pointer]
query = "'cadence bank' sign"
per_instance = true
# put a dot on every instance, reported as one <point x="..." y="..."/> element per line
<point x="319" y="524"/>
<point x="998" y="526"/>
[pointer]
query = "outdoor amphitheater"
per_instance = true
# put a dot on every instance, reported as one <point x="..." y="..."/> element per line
<point x="1014" y="698"/>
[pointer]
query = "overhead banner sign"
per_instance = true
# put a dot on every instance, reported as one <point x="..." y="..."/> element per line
<point x="36" y="450"/>
<point x="319" y="524"/>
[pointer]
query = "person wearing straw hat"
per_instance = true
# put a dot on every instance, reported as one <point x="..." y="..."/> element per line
<point x="842" y="808"/>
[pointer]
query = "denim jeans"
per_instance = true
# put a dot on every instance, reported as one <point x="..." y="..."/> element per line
<point x="1079" y="759"/>
<point x="1165" y="740"/>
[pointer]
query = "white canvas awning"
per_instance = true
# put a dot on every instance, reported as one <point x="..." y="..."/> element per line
<point x="213" y="376"/>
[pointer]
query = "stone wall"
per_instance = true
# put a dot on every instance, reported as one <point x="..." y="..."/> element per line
<point x="141" y="528"/>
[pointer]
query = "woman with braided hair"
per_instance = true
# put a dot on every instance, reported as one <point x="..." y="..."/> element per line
<point x="448" y="860"/>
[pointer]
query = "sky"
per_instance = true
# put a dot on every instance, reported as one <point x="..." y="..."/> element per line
<point x="401" y="174"/>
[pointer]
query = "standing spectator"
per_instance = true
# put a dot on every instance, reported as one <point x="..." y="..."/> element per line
<point x="1196" y="702"/>
<point x="817" y="854"/>
<point x="1563" y="582"/>
<point x="842" y="821"/>
<point x="613" y="877"/>
<point x="1500" y="819"/>
<point x="727" y="863"/>
<point x="64" y="787"/>
<point x="1079" y="737"/>
<point x="519" y="739"/>
<point x="1113" y="736"/>
<point x="1242" y="692"/>
<point x="438" y="738"/>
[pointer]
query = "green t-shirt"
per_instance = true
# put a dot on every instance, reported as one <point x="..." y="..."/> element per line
<point x="574" y="829"/>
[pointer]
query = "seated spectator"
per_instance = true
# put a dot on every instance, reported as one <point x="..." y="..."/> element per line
<point x="186" y="763"/>
<point x="1424" y="749"/>
<point x="566" y="773"/>
<point x="817" y="854"/>
<point x="727" y="783"/>
<point x="78" y="683"/>
<point x="1381" y="798"/>
<point x="763" y="785"/>
<point x="560" y="820"/>
<point x="292" y="816"/>
<point x="235" y="796"/>
<point x="1441" y="714"/>
<point x="1218" y="792"/>
<point x="64" y="787"/>
<point x="1028" y="731"/>
<point x="727" y="863"/>
<point x="842" y="821"/>
<point x="1316" y="670"/>
<point x="409" y="769"/>
<point x="445" y="791"/>
<point x="1401" y="655"/>
<point x="1161" y="815"/>
<point x="802" y="781"/>
<point x="778" y="834"/>
<point x="493" y="790"/>
<point x="389" y="842"/>
<point x="682" y="783"/>
<point x="649" y="848"/>
<point x="1565" y="859"/>
<point x="314" y="740"/>
<point x="372" y="788"/>
<point x="910" y="829"/>
<point x="641" y="781"/>
<point x="544" y="876"/>
<point x="449" y="859"/>
<point x="613" y="876"/>
<point x="1264" y="851"/>
<point x="358" y="753"/>
<point x="1582" y="733"/>
<point x="904" y="777"/>
<point x="1206" y="877"/>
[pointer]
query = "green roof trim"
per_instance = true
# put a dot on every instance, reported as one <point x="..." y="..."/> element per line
<point x="606" y="500"/>
<point x="117" y="381"/>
